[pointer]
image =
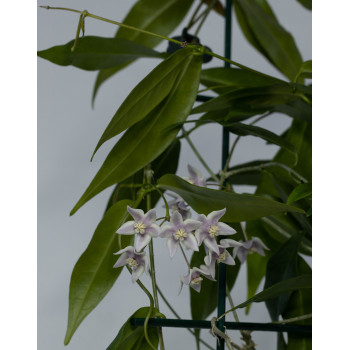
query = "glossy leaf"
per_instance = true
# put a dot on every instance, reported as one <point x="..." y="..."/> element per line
<point x="235" y="77"/>
<point x="251" y="100"/>
<point x="281" y="266"/>
<point x="300" y="192"/>
<point x="147" y="95"/>
<point x="297" y="109"/>
<point x="148" y="138"/>
<point x="266" y="34"/>
<point x="239" y="207"/>
<point x="160" y="17"/>
<point x="278" y="289"/>
<point x="252" y="130"/>
<point x="93" y="275"/>
<point x="93" y="53"/>
<point x="133" y="337"/>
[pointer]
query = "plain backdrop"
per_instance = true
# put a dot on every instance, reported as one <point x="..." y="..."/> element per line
<point x="68" y="130"/>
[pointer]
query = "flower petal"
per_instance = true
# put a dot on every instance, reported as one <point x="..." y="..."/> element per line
<point x="200" y="235"/>
<point x="172" y="246"/>
<point x="215" y="216"/>
<point x="153" y="230"/>
<point x="241" y="254"/>
<point x="129" y="249"/>
<point x="225" y="229"/>
<point x="167" y="231"/>
<point x="176" y="219"/>
<point x="191" y="225"/>
<point x="150" y="217"/>
<point x="123" y="260"/>
<point x="229" y="259"/>
<point x="228" y="243"/>
<point x="212" y="245"/>
<point x="141" y="241"/>
<point x="127" y="228"/>
<point x="191" y="242"/>
<point x="137" y="273"/>
<point x="137" y="214"/>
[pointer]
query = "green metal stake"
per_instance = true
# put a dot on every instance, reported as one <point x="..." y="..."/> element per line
<point x="225" y="152"/>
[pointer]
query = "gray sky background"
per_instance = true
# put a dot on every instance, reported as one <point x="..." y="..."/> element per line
<point x="68" y="130"/>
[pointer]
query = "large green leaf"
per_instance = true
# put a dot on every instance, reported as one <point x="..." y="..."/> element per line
<point x="306" y="3"/>
<point x="93" y="275"/>
<point x="297" y="109"/>
<point x="147" y="95"/>
<point x="93" y="53"/>
<point x="132" y="337"/>
<point x="148" y="138"/>
<point x="281" y="266"/>
<point x="300" y="192"/>
<point x="305" y="71"/>
<point x="265" y="33"/>
<point x="239" y="207"/>
<point x="160" y="17"/>
<point x="253" y="101"/>
<point x="280" y="288"/>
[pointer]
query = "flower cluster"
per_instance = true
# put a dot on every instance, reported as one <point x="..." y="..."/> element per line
<point x="182" y="231"/>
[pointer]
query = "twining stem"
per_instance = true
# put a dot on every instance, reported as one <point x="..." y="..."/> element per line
<point x="87" y="14"/>
<point x="148" y="181"/>
<point x="216" y="331"/>
<point x="205" y="15"/>
<point x="193" y="20"/>
<point x="151" y="307"/>
<point x="183" y="253"/>
<point x="194" y="149"/>
<point x="231" y="303"/>
<point x="178" y="317"/>
<point x="293" y="319"/>
<point x="167" y="212"/>
<point x="244" y="233"/>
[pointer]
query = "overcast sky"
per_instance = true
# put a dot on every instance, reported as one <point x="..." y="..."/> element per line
<point x="68" y="130"/>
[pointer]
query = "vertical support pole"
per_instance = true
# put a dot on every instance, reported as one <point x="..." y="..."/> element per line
<point x="225" y="152"/>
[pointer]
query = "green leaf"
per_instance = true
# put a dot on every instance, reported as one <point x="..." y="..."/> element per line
<point x="93" y="53"/>
<point x="281" y="266"/>
<point x="265" y="33"/>
<point x="305" y="71"/>
<point x="160" y="17"/>
<point x="297" y="109"/>
<point x="251" y="100"/>
<point x="239" y="207"/>
<point x="148" y="138"/>
<point x="280" y="288"/>
<point x="300" y="192"/>
<point x="166" y="163"/>
<point x="235" y="77"/>
<point x="252" y="130"/>
<point x="132" y="337"/>
<point x="147" y="95"/>
<point x="300" y="303"/>
<point x="306" y="3"/>
<point x="93" y="275"/>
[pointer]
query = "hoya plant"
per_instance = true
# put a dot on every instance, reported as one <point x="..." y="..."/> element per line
<point x="199" y="216"/>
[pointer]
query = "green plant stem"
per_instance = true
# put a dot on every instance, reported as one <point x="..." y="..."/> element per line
<point x="151" y="307"/>
<point x="205" y="15"/>
<point x="148" y="180"/>
<point x="231" y="303"/>
<point x="194" y="149"/>
<point x="192" y="21"/>
<point x="167" y="212"/>
<point x="178" y="317"/>
<point x="243" y="230"/>
<point x="183" y="253"/>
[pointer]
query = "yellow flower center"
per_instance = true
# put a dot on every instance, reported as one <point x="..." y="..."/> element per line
<point x="213" y="231"/>
<point x="132" y="263"/>
<point x="180" y="234"/>
<point x="139" y="227"/>
<point x="222" y="257"/>
<point x="197" y="280"/>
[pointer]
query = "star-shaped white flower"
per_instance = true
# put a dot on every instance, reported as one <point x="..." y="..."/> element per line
<point x="211" y="228"/>
<point x="144" y="227"/>
<point x="249" y="247"/>
<point x="196" y="177"/>
<point x="193" y="278"/>
<point x="137" y="261"/>
<point x="180" y="231"/>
